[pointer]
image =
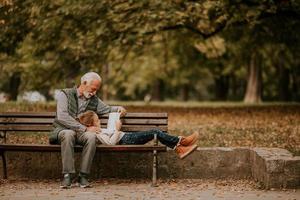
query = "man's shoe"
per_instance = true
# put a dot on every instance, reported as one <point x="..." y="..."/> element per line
<point x="189" y="140"/>
<point x="184" y="151"/>
<point x="66" y="183"/>
<point x="83" y="180"/>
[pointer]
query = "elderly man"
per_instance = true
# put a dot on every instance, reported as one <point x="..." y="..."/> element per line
<point x="68" y="131"/>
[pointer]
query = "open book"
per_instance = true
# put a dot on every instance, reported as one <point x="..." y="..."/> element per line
<point x="112" y="119"/>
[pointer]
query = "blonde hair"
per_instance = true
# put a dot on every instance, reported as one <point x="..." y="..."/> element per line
<point x="87" y="118"/>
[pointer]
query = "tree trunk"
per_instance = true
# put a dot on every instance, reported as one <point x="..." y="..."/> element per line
<point x="185" y="92"/>
<point x="284" y="82"/>
<point x="234" y="86"/>
<point x="158" y="90"/>
<point x="14" y="84"/>
<point x="104" y="76"/>
<point x="71" y="71"/>
<point x="254" y="81"/>
<point x="221" y="87"/>
<point x="296" y="83"/>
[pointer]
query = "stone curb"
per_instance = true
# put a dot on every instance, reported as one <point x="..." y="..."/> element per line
<point x="272" y="167"/>
<point x="275" y="167"/>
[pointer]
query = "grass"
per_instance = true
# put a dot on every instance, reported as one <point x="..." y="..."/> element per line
<point x="219" y="124"/>
<point x="26" y="106"/>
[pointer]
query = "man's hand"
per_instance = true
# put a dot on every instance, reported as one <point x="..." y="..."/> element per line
<point x="118" y="125"/>
<point x="122" y="110"/>
<point x="93" y="129"/>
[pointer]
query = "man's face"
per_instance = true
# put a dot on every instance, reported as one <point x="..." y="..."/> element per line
<point x="91" y="89"/>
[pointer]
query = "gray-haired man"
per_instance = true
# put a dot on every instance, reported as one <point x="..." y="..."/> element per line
<point x="68" y="131"/>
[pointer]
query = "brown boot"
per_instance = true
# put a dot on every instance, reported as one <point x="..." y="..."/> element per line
<point x="183" y="151"/>
<point x="189" y="140"/>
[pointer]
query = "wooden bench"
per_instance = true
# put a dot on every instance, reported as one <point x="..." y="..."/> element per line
<point x="42" y="122"/>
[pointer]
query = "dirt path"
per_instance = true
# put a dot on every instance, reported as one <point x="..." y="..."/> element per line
<point x="141" y="189"/>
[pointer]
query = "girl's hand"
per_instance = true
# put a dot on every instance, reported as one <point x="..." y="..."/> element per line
<point x="122" y="110"/>
<point x="118" y="125"/>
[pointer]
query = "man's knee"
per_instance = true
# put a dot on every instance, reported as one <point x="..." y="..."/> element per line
<point x="90" y="137"/>
<point x="67" y="135"/>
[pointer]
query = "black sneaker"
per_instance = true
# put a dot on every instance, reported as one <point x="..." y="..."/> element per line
<point x="83" y="180"/>
<point x="66" y="183"/>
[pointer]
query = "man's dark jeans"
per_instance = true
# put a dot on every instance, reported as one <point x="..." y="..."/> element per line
<point x="143" y="137"/>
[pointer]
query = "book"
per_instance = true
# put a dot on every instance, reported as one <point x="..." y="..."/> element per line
<point x="112" y="119"/>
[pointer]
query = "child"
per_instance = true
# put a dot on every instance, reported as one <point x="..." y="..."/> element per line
<point x="182" y="145"/>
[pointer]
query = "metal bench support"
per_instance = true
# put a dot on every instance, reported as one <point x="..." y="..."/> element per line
<point x="154" y="170"/>
<point x="4" y="165"/>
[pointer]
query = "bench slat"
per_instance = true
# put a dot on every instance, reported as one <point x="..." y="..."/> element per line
<point x="26" y="127"/>
<point x="43" y="128"/>
<point x="52" y="148"/>
<point x="23" y="120"/>
<point x="10" y="120"/>
<point x="134" y="128"/>
<point x="52" y="115"/>
<point x="28" y="114"/>
<point x="140" y="121"/>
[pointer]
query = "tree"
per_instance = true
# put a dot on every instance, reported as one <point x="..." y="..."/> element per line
<point x="60" y="39"/>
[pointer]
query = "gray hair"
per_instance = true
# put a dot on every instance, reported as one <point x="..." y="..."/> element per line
<point x="89" y="77"/>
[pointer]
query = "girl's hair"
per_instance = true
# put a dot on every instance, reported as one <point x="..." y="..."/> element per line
<point x="87" y="118"/>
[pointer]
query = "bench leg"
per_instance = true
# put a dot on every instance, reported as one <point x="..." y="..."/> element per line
<point x="4" y="165"/>
<point x="3" y="136"/>
<point x="154" y="170"/>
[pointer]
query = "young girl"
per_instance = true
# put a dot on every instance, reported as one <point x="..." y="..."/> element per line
<point x="182" y="145"/>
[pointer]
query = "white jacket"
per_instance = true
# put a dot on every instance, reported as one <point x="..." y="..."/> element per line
<point x="109" y="137"/>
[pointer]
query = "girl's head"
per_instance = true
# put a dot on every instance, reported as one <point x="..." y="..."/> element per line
<point x="89" y="118"/>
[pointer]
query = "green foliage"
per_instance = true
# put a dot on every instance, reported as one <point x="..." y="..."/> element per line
<point x="173" y="47"/>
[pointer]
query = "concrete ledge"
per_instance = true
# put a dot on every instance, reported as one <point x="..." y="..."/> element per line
<point x="272" y="167"/>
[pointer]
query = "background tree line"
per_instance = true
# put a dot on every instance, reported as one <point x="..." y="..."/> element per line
<point x="150" y="49"/>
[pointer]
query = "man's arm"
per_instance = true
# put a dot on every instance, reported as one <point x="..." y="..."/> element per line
<point x="63" y="114"/>
<point x="103" y="108"/>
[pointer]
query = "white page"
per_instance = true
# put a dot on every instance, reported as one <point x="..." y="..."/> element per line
<point x="112" y="119"/>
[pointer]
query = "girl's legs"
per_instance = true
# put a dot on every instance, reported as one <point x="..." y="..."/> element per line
<point x="143" y="137"/>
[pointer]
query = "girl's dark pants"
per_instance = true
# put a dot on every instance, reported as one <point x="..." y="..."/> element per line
<point x="142" y="137"/>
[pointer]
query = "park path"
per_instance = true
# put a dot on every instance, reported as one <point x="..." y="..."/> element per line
<point x="141" y="189"/>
